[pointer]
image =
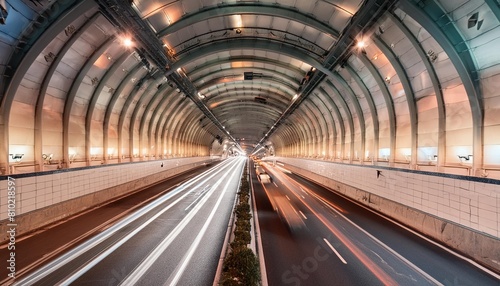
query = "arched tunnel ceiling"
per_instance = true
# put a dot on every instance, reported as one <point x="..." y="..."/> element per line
<point x="346" y="78"/>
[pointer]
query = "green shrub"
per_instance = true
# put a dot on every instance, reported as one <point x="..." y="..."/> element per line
<point x="241" y="266"/>
<point x="243" y="224"/>
<point x="243" y="236"/>
<point x="242" y="207"/>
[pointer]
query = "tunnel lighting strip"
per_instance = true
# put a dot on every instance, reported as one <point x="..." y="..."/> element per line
<point x="73" y="254"/>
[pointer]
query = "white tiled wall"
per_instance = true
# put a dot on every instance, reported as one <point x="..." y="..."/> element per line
<point x="39" y="191"/>
<point x="455" y="198"/>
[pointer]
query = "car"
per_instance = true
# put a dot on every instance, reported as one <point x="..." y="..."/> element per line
<point x="287" y="213"/>
<point x="265" y="178"/>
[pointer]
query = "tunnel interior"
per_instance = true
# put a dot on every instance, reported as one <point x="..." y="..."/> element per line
<point x="391" y="103"/>
<point x="406" y="84"/>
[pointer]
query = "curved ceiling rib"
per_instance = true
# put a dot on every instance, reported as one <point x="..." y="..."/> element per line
<point x="247" y="61"/>
<point x="222" y="10"/>
<point x="22" y="62"/>
<point x="441" y="27"/>
<point x="246" y="44"/>
<point x="435" y="83"/>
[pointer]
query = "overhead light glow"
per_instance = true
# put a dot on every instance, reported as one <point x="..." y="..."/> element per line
<point x="237" y="21"/>
<point x="127" y="42"/>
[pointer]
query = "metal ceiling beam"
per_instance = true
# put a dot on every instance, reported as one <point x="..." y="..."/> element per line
<point x="94" y="99"/>
<point x="349" y="93"/>
<point x="154" y="123"/>
<point x="111" y="104"/>
<point x="328" y="101"/>
<point x="270" y="104"/>
<point x="232" y="96"/>
<point x="70" y="99"/>
<point x="325" y="111"/>
<point x="361" y="23"/>
<point x="342" y="104"/>
<point x="250" y="9"/>
<point x="122" y="15"/>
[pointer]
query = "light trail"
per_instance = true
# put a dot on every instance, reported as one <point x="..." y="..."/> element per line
<point x="179" y="270"/>
<point x="68" y="257"/>
<point x="362" y="257"/>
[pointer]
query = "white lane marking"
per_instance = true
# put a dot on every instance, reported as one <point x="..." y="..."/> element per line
<point x="303" y="190"/>
<point x="336" y="252"/>
<point x="303" y="215"/>
<point x="86" y="246"/>
<point x="110" y="250"/>
<point x="287" y="197"/>
<point x="205" y="190"/>
<point x="134" y="277"/>
<point x="275" y="184"/>
<point x="395" y="253"/>
<point x="497" y="276"/>
<point x="179" y="270"/>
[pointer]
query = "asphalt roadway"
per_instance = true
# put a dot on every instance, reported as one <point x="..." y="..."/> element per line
<point x="317" y="237"/>
<point x="172" y="238"/>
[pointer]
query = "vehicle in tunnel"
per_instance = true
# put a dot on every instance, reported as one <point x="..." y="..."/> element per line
<point x="288" y="214"/>
<point x="259" y="170"/>
<point x="265" y="178"/>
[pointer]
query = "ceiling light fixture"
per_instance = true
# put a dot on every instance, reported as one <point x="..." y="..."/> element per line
<point x="127" y="42"/>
